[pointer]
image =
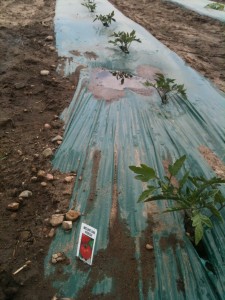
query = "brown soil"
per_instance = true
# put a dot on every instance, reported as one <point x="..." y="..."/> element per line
<point x="29" y="100"/>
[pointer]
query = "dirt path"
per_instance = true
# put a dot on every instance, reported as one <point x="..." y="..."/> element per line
<point x="29" y="100"/>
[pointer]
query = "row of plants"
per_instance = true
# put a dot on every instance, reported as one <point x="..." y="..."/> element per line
<point x="200" y="198"/>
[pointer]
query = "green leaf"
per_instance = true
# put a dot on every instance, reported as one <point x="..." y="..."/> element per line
<point x="146" y="193"/>
<point x="198" y="233"/>
<point x="183" y="180"/>
<point x="145" y="173"/>
<point x="215" y="212"/>
<point x="175" y="168"/>
<point x="219" y="198"/>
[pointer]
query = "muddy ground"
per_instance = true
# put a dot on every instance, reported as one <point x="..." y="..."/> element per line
<point x="29" y="101"/>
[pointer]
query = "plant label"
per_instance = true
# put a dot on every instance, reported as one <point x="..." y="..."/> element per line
<point x="86" y="243"/>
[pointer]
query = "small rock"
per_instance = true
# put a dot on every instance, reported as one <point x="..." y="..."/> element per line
<point x="25" y="110"/>
<point x="80" y="178"/>
<point x="44" y="184"/>
<point x="47" y="152"/>
<point x="47" y="126"/>
<point x="149" y="247"/>
<point x="25" y="194"/>
<point x="41" y="174"/>
<point x="57" y="138"/>
<point x="67" y="225"/>
<point x="36" y="155"/>
<point x="33" y="179"/>
<point x="51" y="233"/>
<point x="68" y="179"/>
<point x="56" y="219"/>
<point x="54" y="261"/>
<point x="49" y="177"/>
<point x="44" y="72"/>
<point x="14" y="206"/>
<point x="57" y="257"/>
<point x="19" y="85"/>
<point x="59" y="142"/>
<point x="72" y="215"/>
<point x="49" y="38"/>
<point x="19" y="152"/>
<point x="52" y="48"/>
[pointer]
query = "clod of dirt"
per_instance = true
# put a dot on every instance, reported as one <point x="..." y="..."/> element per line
<point x="25" y="194"/>
<point x="56" y="219"/>
<point x="72" y="215"/>
<point x="8" y="286"/>
<point x="14" y="206"/>
<point x="67" y="225"/>
<point x="44" y="72"/>
<point x="47" y="152"/>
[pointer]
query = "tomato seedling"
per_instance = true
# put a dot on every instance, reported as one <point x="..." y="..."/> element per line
<point x="120" y="75"/>
<point x="197" y="196"/>
<point x="90" y="5"/>
<point x="166" y="87"/>
<point x="105" y="19"/>
<point x="124" y="39"/>
<point x="215" y="5"/>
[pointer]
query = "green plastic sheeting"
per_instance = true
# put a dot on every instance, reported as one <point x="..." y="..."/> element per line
<point x="104" y="136"/>
<point x="199" y="6"/>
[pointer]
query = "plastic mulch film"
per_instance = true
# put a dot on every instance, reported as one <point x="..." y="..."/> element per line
<point x="110" y="126"/>
<point x="199" y="6"/>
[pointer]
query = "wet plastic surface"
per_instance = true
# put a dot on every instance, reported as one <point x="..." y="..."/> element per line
<point x="199" y="6"/>
<point x="108" y="127"/>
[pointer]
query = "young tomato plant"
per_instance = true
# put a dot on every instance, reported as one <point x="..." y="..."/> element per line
<point x="166" y="87"/>
<point x="121" y="75"/>
<point x="105" y="19"/>
<point x="216" y="6"/>
<point x="90" y="5"/>
<point x="124" y="40"/>
<point x="200" y="198"/>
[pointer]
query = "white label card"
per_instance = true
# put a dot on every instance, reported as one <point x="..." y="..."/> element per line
<point x="86" y="243"/>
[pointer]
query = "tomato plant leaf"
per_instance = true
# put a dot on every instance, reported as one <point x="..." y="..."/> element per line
<point x="175" y="168"/>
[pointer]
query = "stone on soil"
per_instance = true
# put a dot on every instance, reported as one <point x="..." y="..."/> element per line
<point x="68" y="179"/>
<point x="49" y="177"/>
<point x="57" y="138"/>
<point x="149" y="247"/>
<point x="47" y="152"/>
<point x="41" y="174"/>
<point x="72" y="215"/>
<point x="14" y="206"/>
<point x="67" y="225"/>
<point x="25" y="194"/>
<point x="44" y="72"/>
<point x="56" y="219"/>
